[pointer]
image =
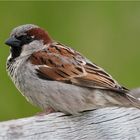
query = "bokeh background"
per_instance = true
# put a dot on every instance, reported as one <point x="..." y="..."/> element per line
<point x="108" y="33"/>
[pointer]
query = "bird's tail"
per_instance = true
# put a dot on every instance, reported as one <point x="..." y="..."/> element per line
<point x="134" y="97"/>
<point x="124" y="98"/>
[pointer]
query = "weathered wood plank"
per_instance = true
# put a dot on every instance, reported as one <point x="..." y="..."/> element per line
<point x="102" y="124"/>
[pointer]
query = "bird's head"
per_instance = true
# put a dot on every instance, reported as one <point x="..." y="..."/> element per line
<point x="25" y="35"/>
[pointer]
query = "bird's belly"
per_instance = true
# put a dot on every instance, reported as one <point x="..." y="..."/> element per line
<point x="66" y="98"/>
<point x="63" y="97"/>
<point x="60" y="96"/>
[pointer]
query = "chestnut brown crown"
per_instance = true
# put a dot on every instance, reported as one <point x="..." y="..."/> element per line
<point x="25" y="34"/>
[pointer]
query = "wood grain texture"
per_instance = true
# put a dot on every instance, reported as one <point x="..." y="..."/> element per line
<point x="102" y="124"/>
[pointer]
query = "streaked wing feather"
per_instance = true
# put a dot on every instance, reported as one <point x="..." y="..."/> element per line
<point x="66" y="65"/>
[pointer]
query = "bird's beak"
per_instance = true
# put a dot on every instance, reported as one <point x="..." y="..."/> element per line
<point x="13" y="42"/>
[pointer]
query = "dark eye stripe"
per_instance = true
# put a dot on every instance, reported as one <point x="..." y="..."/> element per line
<point x="25" y="39"/>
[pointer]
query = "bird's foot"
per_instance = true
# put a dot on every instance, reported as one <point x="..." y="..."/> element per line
<point x="46" y="111"/>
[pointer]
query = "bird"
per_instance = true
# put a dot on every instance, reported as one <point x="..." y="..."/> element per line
<point x="57" y="78"/>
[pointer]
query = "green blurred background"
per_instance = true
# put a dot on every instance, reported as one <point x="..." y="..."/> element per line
<point x="108" y="33"/>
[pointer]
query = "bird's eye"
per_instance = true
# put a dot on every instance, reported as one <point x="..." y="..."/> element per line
<point x="28" y="37"/>
<point x="25" y="39"/>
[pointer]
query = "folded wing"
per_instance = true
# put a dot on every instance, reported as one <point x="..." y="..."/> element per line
<point x="66" y="65"/>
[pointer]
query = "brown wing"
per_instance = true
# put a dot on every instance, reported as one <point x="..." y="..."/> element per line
<point x="66" y="65"/>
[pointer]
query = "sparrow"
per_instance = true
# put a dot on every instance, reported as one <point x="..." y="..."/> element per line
<point x="57" y="78"/>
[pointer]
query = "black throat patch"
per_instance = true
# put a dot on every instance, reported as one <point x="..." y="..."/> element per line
<point x="15" y="52"/>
